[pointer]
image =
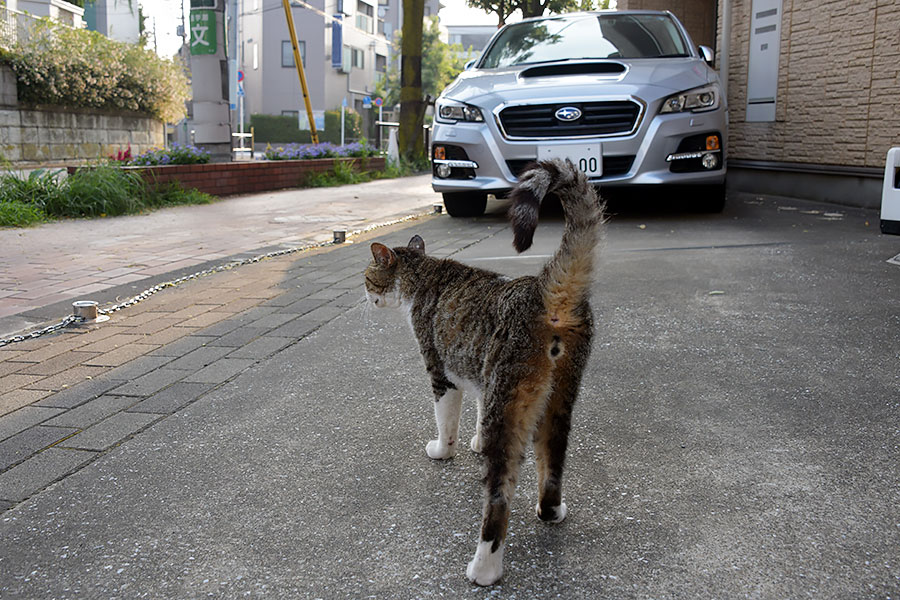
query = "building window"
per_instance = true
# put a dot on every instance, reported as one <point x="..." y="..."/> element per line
<point x="380" y="63"/>
<point x="365" y="17"/>
<point x="358" y="60"/>
<point x="287" y="53"/>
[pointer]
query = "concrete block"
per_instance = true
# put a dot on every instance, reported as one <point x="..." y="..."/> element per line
<point x="172" y="398"/>
<point x="91" y="412"/>
<point x="149" y="384"/>
<point x="25" y="417"/>
<point x="110" y="432"/>
<point x="220" y="371"/>
<point x="39" y="471"/>
<point x="26" y="443"/>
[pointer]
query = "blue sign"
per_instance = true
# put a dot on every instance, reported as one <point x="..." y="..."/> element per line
<point x="367" y="102"/>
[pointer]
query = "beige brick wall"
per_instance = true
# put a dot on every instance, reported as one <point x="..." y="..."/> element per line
<point x="839" y="78"/>
<point x="55" y="135"/>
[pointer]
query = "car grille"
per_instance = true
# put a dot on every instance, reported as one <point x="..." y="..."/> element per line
<point x="597" y="119"/>
<point x="612" y="165"/>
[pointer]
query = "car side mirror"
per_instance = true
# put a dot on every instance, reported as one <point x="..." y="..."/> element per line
<point x="470" y="64"/>
<point x="708" y="55"/>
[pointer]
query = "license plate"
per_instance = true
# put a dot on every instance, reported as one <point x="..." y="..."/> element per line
<point x="586" y="157"/>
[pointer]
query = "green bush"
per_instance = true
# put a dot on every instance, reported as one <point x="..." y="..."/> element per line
<point x="80" y="68"/>
<point x="271" y="129"/>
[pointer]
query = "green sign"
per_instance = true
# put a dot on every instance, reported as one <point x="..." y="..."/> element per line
<point x="203" y="32"/>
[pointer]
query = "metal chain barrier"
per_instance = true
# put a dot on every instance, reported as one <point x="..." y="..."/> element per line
<point x="71" y="319"/>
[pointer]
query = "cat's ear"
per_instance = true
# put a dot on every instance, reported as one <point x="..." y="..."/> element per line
<point x="417" y="244"/>
<point x="384" y="256"/>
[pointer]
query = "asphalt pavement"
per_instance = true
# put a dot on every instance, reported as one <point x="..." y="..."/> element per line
<point x="261" y="432"/>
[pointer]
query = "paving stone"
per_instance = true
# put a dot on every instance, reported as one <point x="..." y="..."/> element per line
<point x="30" y="441"/>
<point x="110" y="431"/>
<point x="323" y="314"/>
<point x="5" y="505"/>
<point x="172" y="398"/>
<point x="79" y="394"/>
<point x="25" y="417"/>
<point x="120" y="356"/>
<point x="220" y="371"/>
<point x="91" y="412"/>
<point x="68" y="378"/>
<point x="181" y="347"/>
<point x="149" y="384"/>
<point x="306" y="305"/>
<point x="12" y="401"/>
<point x="138" y="367"/>
<point x="240" y="337"/>
<point x="274" y="320"/>
<point x="329" y="293"/>
<point x="199" y="358"/>
<point x="39" y="471"/>
<point x="261" y="347"/>
<point x="297" y="328"/>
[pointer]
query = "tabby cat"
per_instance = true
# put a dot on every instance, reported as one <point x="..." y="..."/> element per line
<point x="518" y="345"/>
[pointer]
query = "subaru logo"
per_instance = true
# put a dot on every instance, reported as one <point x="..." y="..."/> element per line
<point x="568" y="113"/>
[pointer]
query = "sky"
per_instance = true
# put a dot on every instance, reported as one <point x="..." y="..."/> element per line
<point x="165" y="17"/>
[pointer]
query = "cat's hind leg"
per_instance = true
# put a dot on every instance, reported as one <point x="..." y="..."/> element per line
<point x="512" y="409"/>
<point x="447" y="409"/>
<point x="552" y="435"/>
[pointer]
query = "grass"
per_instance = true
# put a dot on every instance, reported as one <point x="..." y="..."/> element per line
<point x="99" y="191"/>
<point x="343" y="173"/>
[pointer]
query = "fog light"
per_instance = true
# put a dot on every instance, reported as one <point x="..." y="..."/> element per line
<point x="443" y="171"/>
<point x="710" y="161"/>
<point x="712" y="142"/>
<point x="440" y="153"/>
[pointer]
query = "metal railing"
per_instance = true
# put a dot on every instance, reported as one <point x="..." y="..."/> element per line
<point x="16" y="26"/>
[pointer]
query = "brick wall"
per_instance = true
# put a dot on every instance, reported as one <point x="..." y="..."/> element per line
<point x="224" y="179"/>
<point x="839" y="75"/>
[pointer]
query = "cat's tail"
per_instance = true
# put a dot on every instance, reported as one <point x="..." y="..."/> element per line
<point x="566" y="277"/>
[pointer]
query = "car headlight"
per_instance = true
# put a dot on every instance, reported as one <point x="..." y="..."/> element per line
<point x="700" y="99"/>
<point x="450" y="111"/>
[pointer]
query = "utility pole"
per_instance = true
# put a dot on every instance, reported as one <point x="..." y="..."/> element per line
<point x="212" y="124"/>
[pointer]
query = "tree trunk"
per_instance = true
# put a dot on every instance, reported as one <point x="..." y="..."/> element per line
<point x="533" y="8"/>
<point x="410" y="137"/>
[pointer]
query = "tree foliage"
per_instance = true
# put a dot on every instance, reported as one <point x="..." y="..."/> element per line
<point x="441" y="63"/>
<point x="535" y="8"/>
<point x="79" y="68"/>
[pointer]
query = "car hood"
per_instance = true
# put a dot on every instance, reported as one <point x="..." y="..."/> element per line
<point x="647" y="79"/>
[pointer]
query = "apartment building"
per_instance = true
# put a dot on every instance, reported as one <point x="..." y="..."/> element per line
<point x="345" y="46"/>
<point x="341" y="45"/>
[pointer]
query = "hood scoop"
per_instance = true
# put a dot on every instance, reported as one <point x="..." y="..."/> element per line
<point x="584" y="68"/>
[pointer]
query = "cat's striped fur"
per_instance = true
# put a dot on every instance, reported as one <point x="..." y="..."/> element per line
<point x="519" y="344"/>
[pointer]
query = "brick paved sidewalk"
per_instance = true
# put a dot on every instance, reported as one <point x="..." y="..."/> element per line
<point x="68" y="397"/>
<point x="77" y="259"/>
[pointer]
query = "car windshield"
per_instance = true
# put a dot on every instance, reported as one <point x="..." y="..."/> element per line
<point x="586" y="37"/>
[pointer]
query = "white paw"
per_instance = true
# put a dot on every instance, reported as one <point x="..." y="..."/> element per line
<point x="439" y="451"/>
<point x="560" y="513"/>
<point x="486" y="568"/>
<point x="475" y="444"/>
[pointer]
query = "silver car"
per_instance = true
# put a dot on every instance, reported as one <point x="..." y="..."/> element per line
<point x="625" y="95"/>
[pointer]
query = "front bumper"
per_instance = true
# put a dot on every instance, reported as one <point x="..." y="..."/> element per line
<point x="663" y="150"/>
